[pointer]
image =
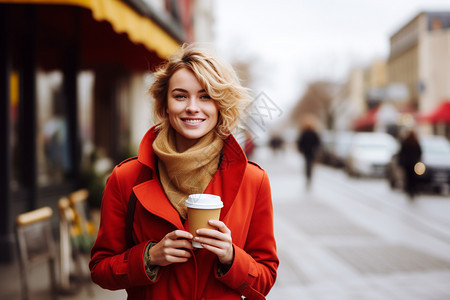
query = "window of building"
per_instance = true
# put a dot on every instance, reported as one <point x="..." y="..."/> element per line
<point x="53" y="147"/>
<point x="436" y="24"/>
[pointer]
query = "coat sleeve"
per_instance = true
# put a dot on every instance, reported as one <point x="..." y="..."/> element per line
<point x="254" y="268"/>
<point x="112" y="265"/>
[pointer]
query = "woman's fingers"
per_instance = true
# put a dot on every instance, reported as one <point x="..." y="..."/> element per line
<point x="173" y="248"/>
<point x="218" y="241"/>
<point x="215" y="240"/>
<point x="220" y="225"/>
<point x="176" y="255"/>
<point x="222" y="234"/>
<point x="179" y="234"/>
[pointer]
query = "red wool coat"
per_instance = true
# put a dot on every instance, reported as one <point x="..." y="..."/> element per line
<point x="247" y="212"/>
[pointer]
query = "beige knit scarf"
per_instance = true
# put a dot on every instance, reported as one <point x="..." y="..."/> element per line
<point x="188" y="172"/>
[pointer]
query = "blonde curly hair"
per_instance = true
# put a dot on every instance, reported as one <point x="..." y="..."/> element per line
<point x="217" y="78"/>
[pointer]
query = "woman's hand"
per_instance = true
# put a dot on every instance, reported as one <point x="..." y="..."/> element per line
<point x="217" y="241"/>
<point x="173" y="248"/>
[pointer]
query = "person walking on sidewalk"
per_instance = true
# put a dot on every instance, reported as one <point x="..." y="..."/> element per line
<point x="198" y="99"/>
<point x="409" y="155"/>
<point x="308" y="143"/>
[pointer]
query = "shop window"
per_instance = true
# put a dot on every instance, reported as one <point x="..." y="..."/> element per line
<point x="86" y="80"/>
<point x="53" y="148"/>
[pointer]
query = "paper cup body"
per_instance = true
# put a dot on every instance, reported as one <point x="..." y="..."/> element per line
<point x="200" y="209"/>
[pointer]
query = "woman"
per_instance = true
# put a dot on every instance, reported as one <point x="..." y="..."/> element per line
<point x="198" y="100"/>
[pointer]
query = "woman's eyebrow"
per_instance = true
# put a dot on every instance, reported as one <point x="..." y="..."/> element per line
<point x="179" y="90"/>
<point x="185" y="91"/>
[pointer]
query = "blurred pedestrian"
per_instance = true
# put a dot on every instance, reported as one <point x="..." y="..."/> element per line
<point x="308" y="143"/>
<point x="409" y="155"/>
<point x="276" y="143"/>
<point x="198" y="99"/>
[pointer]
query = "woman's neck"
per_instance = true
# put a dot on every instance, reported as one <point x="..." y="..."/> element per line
<point x="182" y="143"/>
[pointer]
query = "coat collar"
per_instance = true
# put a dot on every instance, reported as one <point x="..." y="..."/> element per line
<point x="231" y="169"/>
<point x="146" y="155"/>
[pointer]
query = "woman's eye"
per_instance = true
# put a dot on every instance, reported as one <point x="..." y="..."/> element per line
<point x="179" y="96"/>
<point x="205" y="97"/>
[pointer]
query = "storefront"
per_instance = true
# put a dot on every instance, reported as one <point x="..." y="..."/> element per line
<point x="367" y="121"/>
<point x="67" y="73"/>
<point x="439" y="119"/>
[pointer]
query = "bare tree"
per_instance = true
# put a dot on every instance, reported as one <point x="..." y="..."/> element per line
<point x="316" y="101"/>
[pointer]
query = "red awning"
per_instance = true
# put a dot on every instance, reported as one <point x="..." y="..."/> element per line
<point x="366" y="121"/>
<point x="440" y="115"/>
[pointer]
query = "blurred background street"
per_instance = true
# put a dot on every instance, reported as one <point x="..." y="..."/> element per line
<point x="355" y="238"/>
<point x="369" y="78"/>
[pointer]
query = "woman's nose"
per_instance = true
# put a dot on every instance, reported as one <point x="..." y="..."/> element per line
<point x="192" y="105"/>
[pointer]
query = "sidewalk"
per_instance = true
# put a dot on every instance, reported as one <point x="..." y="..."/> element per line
<point x="351" y="239"/>
<point x="39" y="285"/>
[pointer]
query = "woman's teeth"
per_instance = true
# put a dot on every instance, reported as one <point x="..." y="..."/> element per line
<point x="192" y="121"/>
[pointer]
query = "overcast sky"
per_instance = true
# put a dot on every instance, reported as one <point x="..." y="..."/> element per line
<point x="296" y="41"/>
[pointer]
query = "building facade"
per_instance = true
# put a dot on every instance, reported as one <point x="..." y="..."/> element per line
<point x="420" y="59"/>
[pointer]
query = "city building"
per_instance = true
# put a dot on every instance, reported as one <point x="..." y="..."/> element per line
<point x="411" y="87"/>
<point x="350" y="101"/>
<point x="420" y="58"/>
<point x="358" y="101"/>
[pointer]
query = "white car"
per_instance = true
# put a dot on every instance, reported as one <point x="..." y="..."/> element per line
<point x="370" y="153"/>
<point x="341" y="147"/>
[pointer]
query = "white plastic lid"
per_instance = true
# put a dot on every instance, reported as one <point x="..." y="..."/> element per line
<point x="203" y="201"/>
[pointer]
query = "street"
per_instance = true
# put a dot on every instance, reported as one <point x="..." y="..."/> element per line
<point x="354" y="238"/>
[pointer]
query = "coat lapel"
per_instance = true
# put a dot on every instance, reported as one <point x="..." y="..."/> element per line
<point x="150" y="193"/>
<point x="232" y="171"/>
<point x="152" y="197"/>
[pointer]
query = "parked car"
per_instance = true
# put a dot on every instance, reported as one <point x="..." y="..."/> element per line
<point x="370" y="153"/>
<point x="433" y="172"/>
<point x="326" y="144"/>
<point x="341" y="147"/>
<point x="335" y="147"/>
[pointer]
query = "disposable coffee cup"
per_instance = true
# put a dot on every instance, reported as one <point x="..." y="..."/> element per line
<point x="200" y="209"/>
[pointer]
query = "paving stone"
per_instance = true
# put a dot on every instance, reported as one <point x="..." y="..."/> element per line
<point x="389" y="259"/>
<point x="317" y="219"/>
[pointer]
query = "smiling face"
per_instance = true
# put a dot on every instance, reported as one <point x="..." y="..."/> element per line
<point x="191" y="112"/>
